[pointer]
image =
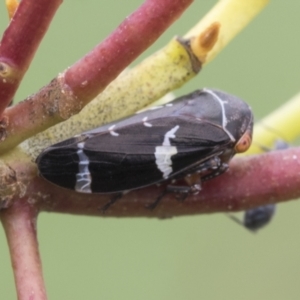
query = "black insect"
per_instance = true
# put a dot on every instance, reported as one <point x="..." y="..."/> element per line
<point x="258" y="217"/>
<point x="197" y="133"/>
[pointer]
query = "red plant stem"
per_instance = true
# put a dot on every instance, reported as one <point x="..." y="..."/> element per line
<point x="19" y="222"/>
<point x="20" y="42"/>
<point x="90" y="75"/>
<point x="251" y="181"/>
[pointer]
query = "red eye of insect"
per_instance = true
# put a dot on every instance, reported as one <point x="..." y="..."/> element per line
<point x="244" y="143"/>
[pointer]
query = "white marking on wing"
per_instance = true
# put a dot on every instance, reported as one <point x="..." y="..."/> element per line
<point x="146" y="123"/>
<point x="224" y="118"/>
<point x="155" y="107"/>
<point x="83" y="177"/>
<point x="164" y="153"/>
<point x="112" y="132"/>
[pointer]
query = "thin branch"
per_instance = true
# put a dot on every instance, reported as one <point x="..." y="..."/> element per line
<point x="251" y="181"/>
<point x="19" y="222"/>
<point x="86" y="77"/>
<point x="20" y="42"/>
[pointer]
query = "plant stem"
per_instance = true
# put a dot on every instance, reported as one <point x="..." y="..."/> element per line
<point x="19" y="222"/>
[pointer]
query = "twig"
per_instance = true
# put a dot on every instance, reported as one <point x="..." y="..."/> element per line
<point x="19" y="44"/>
<point x="19" y="223"/>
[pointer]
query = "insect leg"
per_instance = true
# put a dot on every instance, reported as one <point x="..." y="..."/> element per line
<point x="194" y="180"/>
<point x="208" y="170"/>
<point x="112" y="201"/>
<point x="181" y="193"/>
<point x="153" y="205"/>
<point x="216" y="172"/>
<point x="193" y="176"/>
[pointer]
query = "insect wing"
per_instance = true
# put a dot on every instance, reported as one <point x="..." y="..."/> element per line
<point x="133" y="156"/>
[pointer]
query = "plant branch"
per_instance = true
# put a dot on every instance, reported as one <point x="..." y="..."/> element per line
<point x="19" y="44"/>
<point x="85" y="78"/>
<point x="251" y="181"/>
<point x="19" y="222"/>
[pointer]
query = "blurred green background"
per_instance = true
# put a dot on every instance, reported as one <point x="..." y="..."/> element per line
<point x="200" y="257"/>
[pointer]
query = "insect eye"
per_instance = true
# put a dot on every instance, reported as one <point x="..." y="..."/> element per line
<point x="244" y="143"/>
